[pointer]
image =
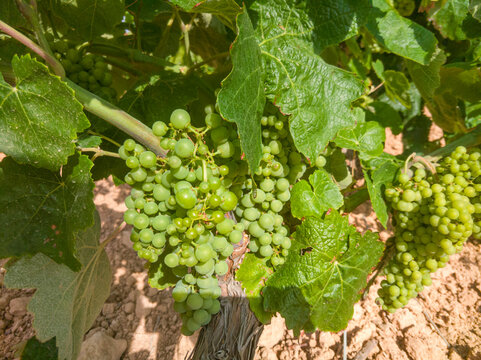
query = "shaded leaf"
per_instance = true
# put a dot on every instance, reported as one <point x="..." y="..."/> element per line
<point x="39" y="117"/>
<point x="385" y="115"/>
<point x="457" y="84"/>
<point x="156" y="100"/>
<point x="323" y="275"/>
<point x="44" y="210"/>
<point x="35" y="350"/>
<point x="399" y="34"/>
<point x="336" y="165"/>
<point x="10" y="14"/>
<point x="66" y="303"/>
<point x="336" y="20"/>
<point x="89" y="141"/>
<point x="367" y="138"/>
<point x="426" y="77"/>
<point x="160" y="275"/>
<point x="225" y="10"/>
<point x="253" y="274"/>
<point x="88" y="18"/>
<point x="242" y="97"/>
<point x="315" y="94"/>
<point x="397" y="87"/>
<point x="315" y="197"/>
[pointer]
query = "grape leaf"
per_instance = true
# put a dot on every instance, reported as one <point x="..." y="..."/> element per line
<point x="316" y="95"/>
<point x="324" y="273"/>
<point x="39" y="117"/>
<point x="88" y="18"/>
<point x="367" y="138"/>
<point x="399" y="34"/>
<point x="35" y="350"/>
<point x="381" y="175"/>
<point x="43" y="210"/>
<point x="225" y="10"/>
<point x="454" y="21"/>
<point x="397" y="87"/>
<point x="315" y="200"/>
<point x="66" y="303"/>
<point x="385" y="115"/>
<point x="336" y="20"/>
<point x="242" y="97"/>
<point x="457" y="83"/>
<point x="426" y="77"/>
<point x="253" y="274"/>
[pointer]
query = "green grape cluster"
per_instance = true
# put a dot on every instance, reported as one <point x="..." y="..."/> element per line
<point x="87" y="70"/>
<point x="179" y="208"/>
<point x="434" y="214"/>
<point x="260" y="207"/>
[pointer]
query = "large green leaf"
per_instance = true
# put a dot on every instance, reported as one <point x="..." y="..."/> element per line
<point x="399" y="34"/>
<point x="43" y="210"/>
<point x="336" y="20"/>
<point x="315" y="94"/>
<point x="253" y="274"/>
<point x="225" y="10"/>
<point x="88" y="18"/>
<point x="39" y="116"/>
<point x="314" y="199"/>
<point x="367" y="138"/>
<point x="66" y="303"/>
<point x="323" y="275"/>
<point x="242" y="97"/>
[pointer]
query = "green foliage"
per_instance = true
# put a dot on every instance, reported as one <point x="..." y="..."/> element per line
<point x="39" y="117"/>
<point x="322" y="296"/>
<point x="48" y="220"/>
<point x="315" y="197"/>
<point x="399" y="34"/>
<point x="253" y="274"/>
<point x="66" y="303"/>
<point x="300" y="90"/>
<point x="245" y="85"/>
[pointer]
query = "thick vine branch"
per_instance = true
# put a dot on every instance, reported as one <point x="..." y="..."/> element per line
<point x="117" y="117"/>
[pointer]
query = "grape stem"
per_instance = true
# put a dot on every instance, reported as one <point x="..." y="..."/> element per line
<point x="99" y="152"/>
<point x="49" y="59"/>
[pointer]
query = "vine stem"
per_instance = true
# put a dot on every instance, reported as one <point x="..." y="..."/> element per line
<point x="117" y="117"/>
<point x="49" y="59"/>
<point x="99" y="152"/>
